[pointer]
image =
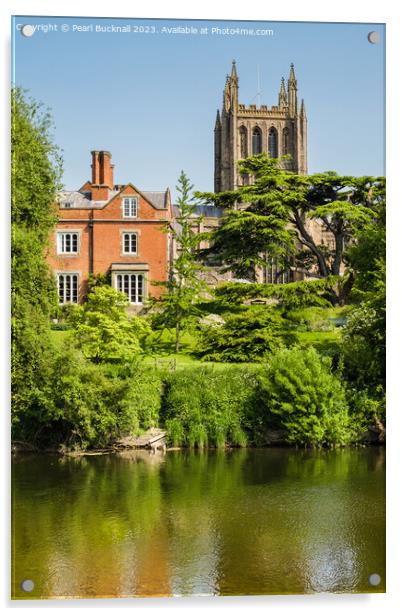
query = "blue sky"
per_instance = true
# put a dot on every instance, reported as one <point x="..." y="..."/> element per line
<point x="151" y="99"/>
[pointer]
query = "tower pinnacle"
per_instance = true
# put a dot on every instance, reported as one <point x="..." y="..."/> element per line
<point x="233" y="75"/>
<point x="282" y="95"/>
<point x="292" y="76"/>
<point x="292" y="91"/>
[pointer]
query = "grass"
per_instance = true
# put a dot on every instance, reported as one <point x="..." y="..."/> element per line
<point x="160" y="345"/>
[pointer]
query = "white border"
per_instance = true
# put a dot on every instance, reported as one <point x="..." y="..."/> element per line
<point x="293" y="10"/>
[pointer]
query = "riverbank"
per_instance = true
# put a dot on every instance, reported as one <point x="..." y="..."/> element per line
<point x="294" y="398"/>
<point x="373" y="436"/>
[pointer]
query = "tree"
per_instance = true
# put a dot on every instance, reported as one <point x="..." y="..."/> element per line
<point x="103" y="330"/>
<point x="247" y="336"/>
<point x="35" y="179"/>
<point x="307" y="400"/>
<point x="364" y="334"/>
<point x="275" y="220"/>
<point x="290" y="296"/>
<point x="184" y="286"/>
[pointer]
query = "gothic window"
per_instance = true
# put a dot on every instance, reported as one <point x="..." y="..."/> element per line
<point x="285" y="141"/>
<point x="273" y="142"/>
<point x="243" y="142"/>
<point x="257" y="141"/>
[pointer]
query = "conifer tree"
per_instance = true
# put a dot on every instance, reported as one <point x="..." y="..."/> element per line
<point x="184" y="285"/>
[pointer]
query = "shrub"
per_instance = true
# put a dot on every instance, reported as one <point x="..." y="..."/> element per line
<point x="363" y="348"/>
<point x="247" y="336"/>
<point x="207" y="406"/>
<point x="103" y="330"/>
<point x="307" y="400"/>
<point x="83" y="405"/>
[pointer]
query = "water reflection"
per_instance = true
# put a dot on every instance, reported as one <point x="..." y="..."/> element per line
<point x="236" y="522"/>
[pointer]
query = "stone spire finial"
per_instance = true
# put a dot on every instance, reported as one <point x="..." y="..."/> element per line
<point x="302" y="109"/>
<point x="233" y="76"/>
<point x="292" y="76"/>
<point x="283" y="101"/>
<point x="218" y="120"/>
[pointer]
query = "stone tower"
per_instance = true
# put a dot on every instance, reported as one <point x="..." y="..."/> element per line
<point x="242" y="131"/>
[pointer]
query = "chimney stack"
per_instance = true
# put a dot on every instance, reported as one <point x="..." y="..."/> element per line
<point x="102" y="174"/>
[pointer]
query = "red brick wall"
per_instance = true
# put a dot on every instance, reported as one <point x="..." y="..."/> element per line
<point x="108" y="224"/>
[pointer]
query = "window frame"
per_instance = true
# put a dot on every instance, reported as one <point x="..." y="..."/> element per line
<point x="123" y="242"/>
<point x="70" y="275"/>
<point x="123" y="206"/>
<point x="120" y="285"/>
<point x="59" y="242"/>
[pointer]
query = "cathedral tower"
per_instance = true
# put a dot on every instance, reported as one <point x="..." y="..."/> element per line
<point x="242" y="131"/>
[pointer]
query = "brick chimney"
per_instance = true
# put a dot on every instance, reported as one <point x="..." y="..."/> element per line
<point x="102" y="175"/>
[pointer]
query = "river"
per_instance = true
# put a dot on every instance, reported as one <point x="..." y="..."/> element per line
<point x="237" y="522"/>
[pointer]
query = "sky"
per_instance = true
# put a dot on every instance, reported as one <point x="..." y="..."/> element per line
<point x="150" y="98"/>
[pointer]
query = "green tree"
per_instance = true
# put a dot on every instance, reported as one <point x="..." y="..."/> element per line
<point x="184" y="286"/>
<point x="364" y="334"/>
<point x="36" y="169"/>
<point x="307" y="400"/>
<point x="247" y="336"/>
<point x="275" y="219"/>
<point x="290" y="296"/>
<point x="104" y="331"/>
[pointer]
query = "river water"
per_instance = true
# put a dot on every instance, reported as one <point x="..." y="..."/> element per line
<point x="238" y="522"/>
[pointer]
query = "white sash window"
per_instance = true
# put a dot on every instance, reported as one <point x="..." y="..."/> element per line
<point x="67" y="285"/>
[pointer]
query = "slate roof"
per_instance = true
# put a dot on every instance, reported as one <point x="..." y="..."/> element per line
<point x="78" y="200"/>
<point x="82" y="200"/>
<point x="158" y="199"/>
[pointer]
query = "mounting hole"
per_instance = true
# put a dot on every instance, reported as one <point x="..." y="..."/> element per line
<point x="373" y="37"/>
<point x="27" y="585"/>
<point x="374" y="579"/>
<point x="27" y="30"/>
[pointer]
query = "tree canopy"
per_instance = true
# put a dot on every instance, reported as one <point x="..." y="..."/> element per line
<point x="184" y="284"/>
<point x="35" y="179"/>
<point x="272" y="217"/>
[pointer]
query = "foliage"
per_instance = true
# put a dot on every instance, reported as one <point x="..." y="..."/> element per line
<point x="35" y="179"/>
<point x="290" y="296"/>
<point x="317" y="318"/>
<point x="275" y="222"/>
<point x="308" y="401"/>
<point x="207" y="407"/>
<point x="367" y="408"/>
<point x="84" y="406"/>
<point x="184" y="285"/>
<point x="364" y="346"/>
<point x="250" y="335"/>
<point x="99" y="280"/>
<point x="364" y="334"/>
<point x="104" y="331"/>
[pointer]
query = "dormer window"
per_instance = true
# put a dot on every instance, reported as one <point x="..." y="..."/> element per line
<point x="130" y="207"/>
<point x="67" y="204"/>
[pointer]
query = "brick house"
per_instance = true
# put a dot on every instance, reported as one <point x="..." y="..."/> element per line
<point x="104" y="228"/>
